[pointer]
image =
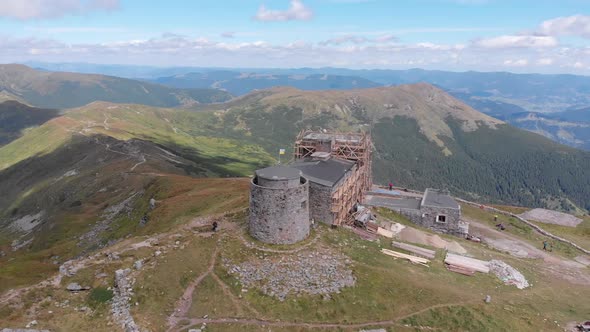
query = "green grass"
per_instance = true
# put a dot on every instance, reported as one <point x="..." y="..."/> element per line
<point x="580" y="234"/>
<point x="163" y="285"/>
<point x="520" y="229"/>
<point x="99" y="296"/>
<point x="209" y="299"/>
<point x="386" y="289"/>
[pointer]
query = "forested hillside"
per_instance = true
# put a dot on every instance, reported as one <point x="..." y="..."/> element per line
<point x="426" y="139"/>
<point x="504" y="165"/>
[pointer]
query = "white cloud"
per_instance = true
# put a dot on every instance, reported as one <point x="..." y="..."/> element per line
<point x="517" y="41"/>
<point x="545" y="62"/>
<point x="386" y="38"/>
<point x="297" y="11"/>
<point x="228" y="34"/>
<point x="347" y="39"/>
<point x="45" y="9"/>
<point x="516" y="63"/>
<point x="179" y="50"/>
<point x="577" y="25"/>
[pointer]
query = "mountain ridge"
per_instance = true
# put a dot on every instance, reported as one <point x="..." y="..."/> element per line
<point x="66" y="90"/>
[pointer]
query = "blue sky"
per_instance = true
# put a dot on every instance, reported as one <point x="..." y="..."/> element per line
<point x="519" y="35"/>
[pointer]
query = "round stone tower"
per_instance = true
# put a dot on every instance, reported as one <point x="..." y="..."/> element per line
<point x="279" y="207"/>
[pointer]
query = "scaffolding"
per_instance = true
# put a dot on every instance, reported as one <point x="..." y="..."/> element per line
<point x="350" y="146"/>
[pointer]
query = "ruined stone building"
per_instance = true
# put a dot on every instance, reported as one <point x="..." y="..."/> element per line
<point x="436" y="210"/>
<point x="329" y="175"/>
<point x="328" y="178"/>
<point x="338" y="167"/>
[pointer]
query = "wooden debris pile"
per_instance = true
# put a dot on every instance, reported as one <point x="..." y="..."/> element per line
<point x="423" y="252"/>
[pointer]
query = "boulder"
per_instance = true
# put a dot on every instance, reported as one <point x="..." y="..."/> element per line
<point x="74" y="287"/>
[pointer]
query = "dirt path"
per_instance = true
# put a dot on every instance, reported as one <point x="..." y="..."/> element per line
<point x="560" y="267"/>
<point x="185" y="302"/>
<point x="251" y="245"/>
<point x="382" y="323"/>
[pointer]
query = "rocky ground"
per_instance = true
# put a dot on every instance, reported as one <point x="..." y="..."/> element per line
<point x="552" y="217"/>
<point x="508" y="274"/>
<point x="317" y="272"/>
<point x="120" y="304"/>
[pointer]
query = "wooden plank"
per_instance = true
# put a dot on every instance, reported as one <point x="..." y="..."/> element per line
<point x="460" y="270"/>
<point x="384" y="232"/>
<point x="467" y="262"/>
<point x="415" y="249"/>
<point x="413" y="259"/>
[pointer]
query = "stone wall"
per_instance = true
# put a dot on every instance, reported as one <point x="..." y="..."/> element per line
<point x="451" y="226"/>
<point x="279" y="215"/>
<point x="272" y="183"/>
<point x="320" y="203"/>
<point x="426" y="217"/>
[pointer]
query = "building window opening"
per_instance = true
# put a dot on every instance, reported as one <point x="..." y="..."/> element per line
<point x="303" y="204"/>
<point x="441" y="218"/>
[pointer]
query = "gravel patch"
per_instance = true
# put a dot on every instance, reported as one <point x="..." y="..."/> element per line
<point x="306" y="272"/>
<point x="551" y="217"/>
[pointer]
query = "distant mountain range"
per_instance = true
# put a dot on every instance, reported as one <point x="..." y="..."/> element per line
<point x="502" y="95"/>
<point x="65" y="90"/>
<point x="242" y="83"/>
<point x="560" y="103"/>
<point x="423" y="138"/>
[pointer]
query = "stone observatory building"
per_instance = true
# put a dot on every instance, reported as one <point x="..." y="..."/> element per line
<point x="279" y="207"/>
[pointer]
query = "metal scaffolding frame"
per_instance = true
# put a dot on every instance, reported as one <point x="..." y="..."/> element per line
<point x="350" y="146"/>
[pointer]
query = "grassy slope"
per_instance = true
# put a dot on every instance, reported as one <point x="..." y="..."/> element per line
<point x="523" y="231"/>
<point x="181" y="131"/>
<point x="16" y="117"/>
<point x="180" y="199"/>
<point x="47" y="190"/>
<point x="386" y="289"/>
<point x="64" y="90"/>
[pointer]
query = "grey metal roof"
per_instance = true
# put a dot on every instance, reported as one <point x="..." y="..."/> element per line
<point x="278" y="173"/>
<point x="393" y="202"/>
<point x="436" y="198"/>
<point x="324" y="172"/>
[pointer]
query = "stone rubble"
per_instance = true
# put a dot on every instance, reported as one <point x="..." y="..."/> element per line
<point x="75" y="287"/>
<point x="310" y="272"/>
<point x="508" y="274"/>
<point x="120" y="305"/>
<point x="22" y="330"/>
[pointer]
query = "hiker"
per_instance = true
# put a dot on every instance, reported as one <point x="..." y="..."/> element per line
<point x="215" y="225"/>
<point x="545" y="244"/>
<point x="390" y="186"/>
<point x="496" y="218"/>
